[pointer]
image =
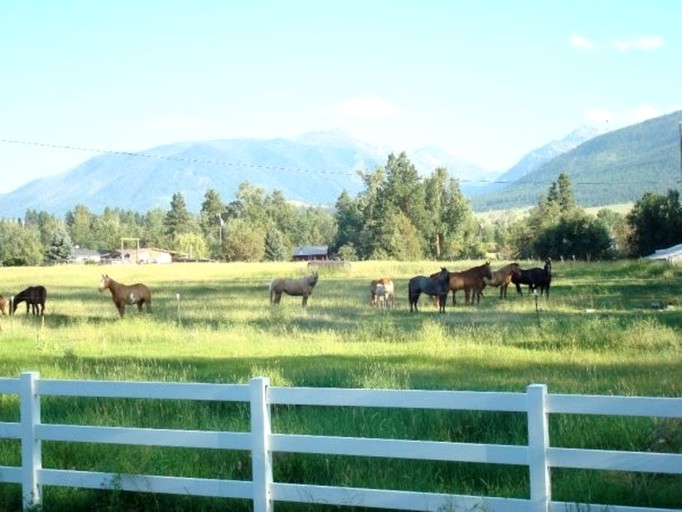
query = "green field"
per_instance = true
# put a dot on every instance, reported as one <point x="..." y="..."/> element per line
<point x="597" y="334"/>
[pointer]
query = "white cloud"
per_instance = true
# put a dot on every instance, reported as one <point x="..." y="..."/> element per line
<point x="644" y="43"/>
<point x="576" y="41"/>
<point x="598" y="115"/>
<point x="364" y="107"/>
<point x="644" y="112"/>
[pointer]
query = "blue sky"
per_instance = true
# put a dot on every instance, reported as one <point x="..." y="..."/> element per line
<point x="486" y="81"/>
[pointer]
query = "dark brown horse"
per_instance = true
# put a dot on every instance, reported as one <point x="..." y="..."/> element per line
<point x="503" y="277"/>
<point x="471" y="281"/>
<point x="302" y="287"/>
<point x="535" y="278"/>
<point x="34" y="297"/>
<point x="435" y="285"/>
<point x="126" y="295"/>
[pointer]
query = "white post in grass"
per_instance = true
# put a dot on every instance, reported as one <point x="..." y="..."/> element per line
<point x="538" y="445"/>
<point x="31" y="456"/>
<point x="261" y="456"/>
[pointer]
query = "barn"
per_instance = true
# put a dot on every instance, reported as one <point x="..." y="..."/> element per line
<point x="311" y="253"/>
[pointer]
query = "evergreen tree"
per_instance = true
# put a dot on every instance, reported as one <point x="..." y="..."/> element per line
<point x="61" y="248"/>
<point x="275" y="250"/>
<point x="178" y="219"/>
<point x="348" y="221"/>
<point x="212" y="220"/>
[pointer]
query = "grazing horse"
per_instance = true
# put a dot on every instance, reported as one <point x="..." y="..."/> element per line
<point x="34" y="296"/>
<point x="535" y="278"/>
<point x="382" y="292"/>
<point x="126" y="295"/>
<point x="472" y="281"/>
<point x="502" y="277"/>
<point x="302" y="287"/>
<point x="436" y="285"/>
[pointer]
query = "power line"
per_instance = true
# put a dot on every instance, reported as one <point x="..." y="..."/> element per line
<point x="222" y="163"/>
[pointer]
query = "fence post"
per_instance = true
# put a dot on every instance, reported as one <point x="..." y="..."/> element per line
<point x="538" y="445"/>
<point x="31" y="456"/>
<point x="261" y="456"/>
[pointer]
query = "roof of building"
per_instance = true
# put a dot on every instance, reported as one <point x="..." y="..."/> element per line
<point x="311" y="250"/>
<point x="667" y="254"/>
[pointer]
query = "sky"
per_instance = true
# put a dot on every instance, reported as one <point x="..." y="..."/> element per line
<point x="486" y="81"/>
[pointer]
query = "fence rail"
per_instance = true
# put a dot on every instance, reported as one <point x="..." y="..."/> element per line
<point x="539" y="456"/>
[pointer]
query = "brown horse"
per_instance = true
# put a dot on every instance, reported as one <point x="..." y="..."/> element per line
<point x="3" y="305"/>
<point x="471" y="281"/>
<point x="34" y="296"/>
<point x="126" y="295"/>
<point x="302" y="287"/>
<point x="382" y="292"/>
<point x="503" y="277"/>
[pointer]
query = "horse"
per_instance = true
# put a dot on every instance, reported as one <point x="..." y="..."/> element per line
<point x="472" y="281"/>
<point x="387" y="295"/>
<point x="302" y="287"/>
<point x="535" y="278"/>
<point x="126" y="295"/>
<point x="34" y="296"/>
<point x="3" y="305"/>
<point x="502" y="277"/>
<point x="433" y="285"/>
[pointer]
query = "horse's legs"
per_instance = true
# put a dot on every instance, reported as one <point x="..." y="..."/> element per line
<point x="121" y="308"/>
<point x="304" y="302"/>
<point x="442" y="300"/>
<point x="277" y="297"/>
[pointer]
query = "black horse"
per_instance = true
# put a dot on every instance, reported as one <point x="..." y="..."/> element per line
<point x="34" y="297"/>
<point x="535" y="278"/>
<point x="438" y="286"/>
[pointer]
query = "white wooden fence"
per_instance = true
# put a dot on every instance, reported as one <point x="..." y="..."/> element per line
<point x="539" y="456"/>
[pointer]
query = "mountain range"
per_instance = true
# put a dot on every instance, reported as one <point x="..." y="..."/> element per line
<point x="316" y="167"/>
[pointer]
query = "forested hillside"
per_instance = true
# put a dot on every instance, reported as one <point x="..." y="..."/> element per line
<point x="617" y="167"/>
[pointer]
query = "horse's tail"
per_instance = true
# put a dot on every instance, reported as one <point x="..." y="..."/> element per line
<point x="271" y="289"/>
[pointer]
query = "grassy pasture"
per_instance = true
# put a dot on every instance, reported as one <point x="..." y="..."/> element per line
<point x="597" y="334"/>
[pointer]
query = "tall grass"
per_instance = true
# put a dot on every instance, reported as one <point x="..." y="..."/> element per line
<point x="596" y="334"/>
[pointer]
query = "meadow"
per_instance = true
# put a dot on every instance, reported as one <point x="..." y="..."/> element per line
<point x="211" y="322"/>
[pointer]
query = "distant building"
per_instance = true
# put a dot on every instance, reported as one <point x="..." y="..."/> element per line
<point x="142" y="255"/>
<point x="671" y="255"/>
<point x="87" y="256"/>
<point x="311" y="253"/>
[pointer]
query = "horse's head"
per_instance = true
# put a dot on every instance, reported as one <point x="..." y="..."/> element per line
<point x="515" y="269"/>
<point x="312" y="279"/>
<point x="104" y="283"/>
<point x="487" y="271"/>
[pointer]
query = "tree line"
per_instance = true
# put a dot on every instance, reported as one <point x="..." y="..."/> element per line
<point x="399" y="215"/>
